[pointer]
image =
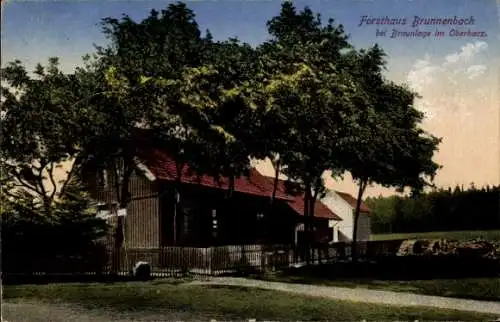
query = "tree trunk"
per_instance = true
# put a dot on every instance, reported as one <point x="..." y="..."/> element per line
<point x="229" y="202"/>
<point x="231" y="185"/>
<point x="176" y="198"/>
<point x="118" y="242"/>
<point x="123" y="198"/>
<point x="312" y="204"/>
<point x="267" y="217"/>
<point x="310" y="232"/>
<point x="307" y="223"/>
<point x="177" y="204"/>
<point x="277" y="169"/>
<point x="354" y="245"/>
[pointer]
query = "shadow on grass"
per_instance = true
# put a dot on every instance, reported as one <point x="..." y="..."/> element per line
<point x="28" y="279"/>
<point x="242" y="289"/>
<point x="63" y="278"/>
<point x="401" y="268"/>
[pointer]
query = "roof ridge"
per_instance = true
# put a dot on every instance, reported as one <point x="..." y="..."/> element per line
<point x="346" y="195"/>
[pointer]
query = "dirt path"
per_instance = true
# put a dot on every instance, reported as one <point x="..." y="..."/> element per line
<point x="363" y="295"/>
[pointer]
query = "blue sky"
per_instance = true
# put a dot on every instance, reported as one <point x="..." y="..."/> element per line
<point x="456" y="76"/>
<point x="35" y="30"/>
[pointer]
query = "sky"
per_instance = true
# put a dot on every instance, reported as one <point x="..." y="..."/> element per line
<point x="457" y="75"/>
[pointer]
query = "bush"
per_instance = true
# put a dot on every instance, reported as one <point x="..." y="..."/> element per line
<point x="62" y="239"/>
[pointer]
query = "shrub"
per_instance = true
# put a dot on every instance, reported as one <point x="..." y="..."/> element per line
<point x="60" y="239"/>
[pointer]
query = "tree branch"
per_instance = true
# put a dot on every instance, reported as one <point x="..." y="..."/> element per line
<point x="50" y="172"/>
<point x="25" y="184"/>
<point x="277" y="169"/>
<point x="128" y="169"/>
<point x="46" y="201"/>
<point x="68" y="178"/>
<point x="115" y="179"/>
<point x="9" y="193"/>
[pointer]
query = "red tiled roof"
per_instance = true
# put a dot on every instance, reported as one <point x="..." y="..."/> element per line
<point x="163" y="166"/>
<point x="297" y="203"/>
<point x="352" y="201"/>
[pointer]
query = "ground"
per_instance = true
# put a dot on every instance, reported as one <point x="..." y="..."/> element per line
<point x="484" y="289"/>
<point x="365" y="295"/>
<point x="167" y="301"/>
<point x="491" y="235"/>
<point x="38" y="311"/>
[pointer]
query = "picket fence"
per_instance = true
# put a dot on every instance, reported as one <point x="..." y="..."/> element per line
<point x="208" y="261"/>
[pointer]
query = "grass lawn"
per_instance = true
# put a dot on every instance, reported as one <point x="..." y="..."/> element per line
<point x="491" y="235"/>
<point x="486" y="289"/>
<point x="195" y="302"/>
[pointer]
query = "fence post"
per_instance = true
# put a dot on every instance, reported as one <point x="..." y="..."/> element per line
<point x="208" y="256"/>
<point x="262" y="259"/>
<point x="342" y="251"/>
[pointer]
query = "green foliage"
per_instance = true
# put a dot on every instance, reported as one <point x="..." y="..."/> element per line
<point x="64" y="238"/>
<point x="389" y="147"/>
<point x="383" y="213"/>
<point x="308" y="100"/>
<point x="39" y="221"/>
<point x="438" y="210"/>
<point x="37" y="115"/>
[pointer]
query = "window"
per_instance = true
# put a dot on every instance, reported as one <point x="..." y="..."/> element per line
<point x="186" y="223"/>
<point x="214" y="223"/>
<point x="188" y="214"/>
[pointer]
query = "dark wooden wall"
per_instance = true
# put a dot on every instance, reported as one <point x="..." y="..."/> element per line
<point x="142" y="229"/>
<point x="150" y="215"/>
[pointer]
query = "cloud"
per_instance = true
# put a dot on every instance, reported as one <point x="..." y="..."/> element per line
<point x="475" y="70"/>
<point x="466" y="53"/>
<point x="422" y="73"/>
<point x="443" y="82"/>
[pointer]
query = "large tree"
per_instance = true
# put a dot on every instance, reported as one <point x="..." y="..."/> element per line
<point x="297" y="37"/>
<point x="39" y="112"/>
<point x="309" y="100"/>
<point x="189" y="92"/>
<point x="320" y="108"/>
<point x="161" y="47"/>
<point x="40" y="202"/>
<point x="389" y="148"/>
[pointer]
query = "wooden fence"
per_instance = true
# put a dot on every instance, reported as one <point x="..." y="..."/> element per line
<point x="175" y="261"/>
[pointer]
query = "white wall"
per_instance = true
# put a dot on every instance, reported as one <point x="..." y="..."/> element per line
<point x="346" y="227"/>
<point x="341" y="208"/>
